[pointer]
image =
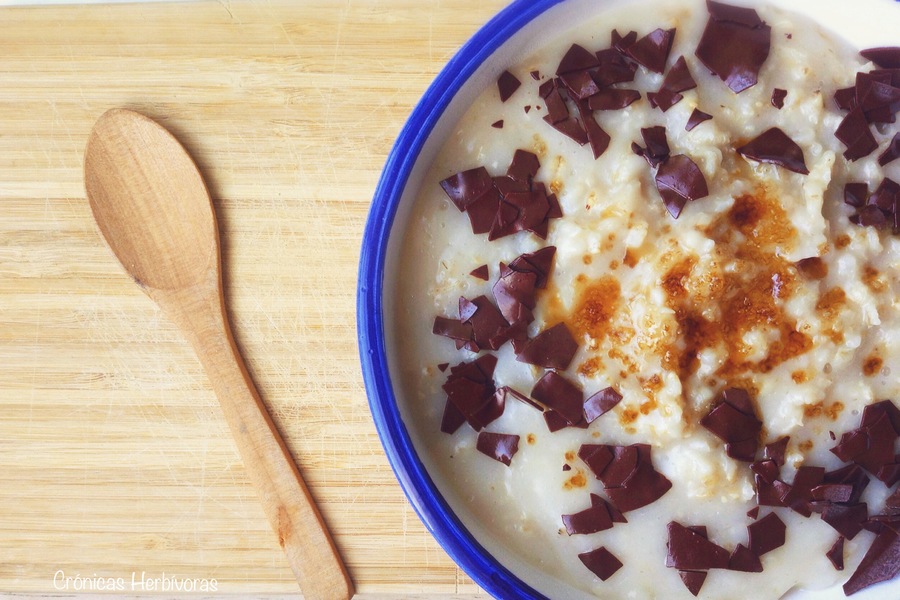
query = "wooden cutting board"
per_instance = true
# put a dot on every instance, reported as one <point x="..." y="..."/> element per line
<point x="117" y="463"/>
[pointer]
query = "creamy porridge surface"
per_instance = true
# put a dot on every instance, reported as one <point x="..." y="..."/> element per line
<point x="765" y="287"/>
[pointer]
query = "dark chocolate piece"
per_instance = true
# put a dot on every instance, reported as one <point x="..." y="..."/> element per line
<point x="467" y="186"/>
<point x="697" y="117"/>
<point x="614" y="68"/>
<point x="630" y="480"/>
<point x="480" y="273"/>
<point x="596" y="456"/>
<point x="536" y="75"/>
<point x="881" y="563"/>
<point x="734" y="421"/>
<point x="677" y="80"/>
<point x="590" y="520"/>
<point x="489" y="328"/>
<point x="734" y="45"/>
<point x="775" y="147"/>
<point x="652" y="50"/>
<point x="743" y="559"/>
<point x="597" y="137"/>
<point x="556" y="421"/>
<point x="854" y="133"/>
<point x="507" y="83"/>
<point x="798" y="495"/>
<point x="613" y="99"/>
<point x="835" y="554"/>
<point x="452" y="419"/>
<point x="601" y="403"/>
<point x="499" y="446"/>
<point x="885" y="57"/>
<point x="556" y="392"/>
<point x="657" y="146"/>
<point x="689" y="550"/>
<point x="778" y="96"/>
<point x="766" y="534"/>
<point x="553" y="348"/>
<point x="678" y="181"/>
<point x="848" y="520"/>
<point x="497" y="124"/>
<point x="871" y="445"/>
<point x="775" y="451"/>
<point x="524" y="166"/>
<point x="577" y="58"/>
<point x="892" y="152"/>
<point x="601" y="562"/>
<point x="621" y="42"/>
<point x="693" y="580"/>
<point x="579" y="84"/>
<point x="856" y="194"/>
<point x="470" y="388"/>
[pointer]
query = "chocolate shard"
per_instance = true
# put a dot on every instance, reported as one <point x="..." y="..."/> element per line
<point x="489" y="328"/>
<point x="499" y="446"/>
<point x="452" y="419"/>
<point x="576" y="58"/>
<point x="835" y="554"/>
<point x="892" y="152"/>
<point x="884" y="57"/>
<point x="579" y="84"/>
<point x="483" y="211"/>
<point x="597" y="137"/>
<point x="856" y="194"/>
<point x="871" y="445"/>
<point x="621" y="42"/>
<point x="734" y="421"/>
<point x="776" y="450"/>
<point x="470" y="388"/>
<point x="631" y="481"/>
<point x="693" y="580"/>
<point x="514" y="293"/>
<point x="832" y="492"/>
<point x="775" y="147"/>
<point x="778" y="96"/>
<point x="855" y="134"/>
<point x="453" y="329"/>
<point x="596" y="456"/>
<point x="465" y="187"/>
<point x="538" y="262"/>
<point x="507" y="84"/>
<point x="613" y="68"/>
<point x="480" y="273"/>
<point x="556" y="392"/>
<point x="601" y="562"/>
<point x="691" y="551"/>
<point x="555" y="421"/>
<point x="657" y="146"/>
<point x="734" y="45"/>
<point x="601" y="403"/>
<point x="590" y="520"/>
<point x="677" y="80"/>
<point x="652" y="50"/>
<point x="743" y="559"/>
<point x="852" y="475"/>
<point x="678" y="181"/>
<point x="553" y="348"/>
<point x="798" y="495"/>
<point x="613" y="99"/>
<point x="880" y="563"/>
<point x="524" y="166"/>
<point x="697" y="117"/>
<point x="513" y="393"/>
<point x="848" y="520"/>
<point x="766" y="534"/>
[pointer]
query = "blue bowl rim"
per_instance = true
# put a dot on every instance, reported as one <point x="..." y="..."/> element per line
<point x="418" y="486"/>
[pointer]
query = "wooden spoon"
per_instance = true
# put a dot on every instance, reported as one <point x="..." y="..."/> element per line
<point x="152" y="206"/>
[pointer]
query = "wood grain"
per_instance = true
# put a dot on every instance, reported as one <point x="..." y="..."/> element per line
<point x="117" y="460"/>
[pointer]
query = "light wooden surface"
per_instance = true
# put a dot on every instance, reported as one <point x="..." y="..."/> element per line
<point x="116" y="460"/>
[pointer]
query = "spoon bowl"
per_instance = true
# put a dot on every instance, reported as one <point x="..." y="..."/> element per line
<point x="152" y="207"/>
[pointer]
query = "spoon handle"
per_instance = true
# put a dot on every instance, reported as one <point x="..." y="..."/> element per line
<point x="286" y="500"/>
